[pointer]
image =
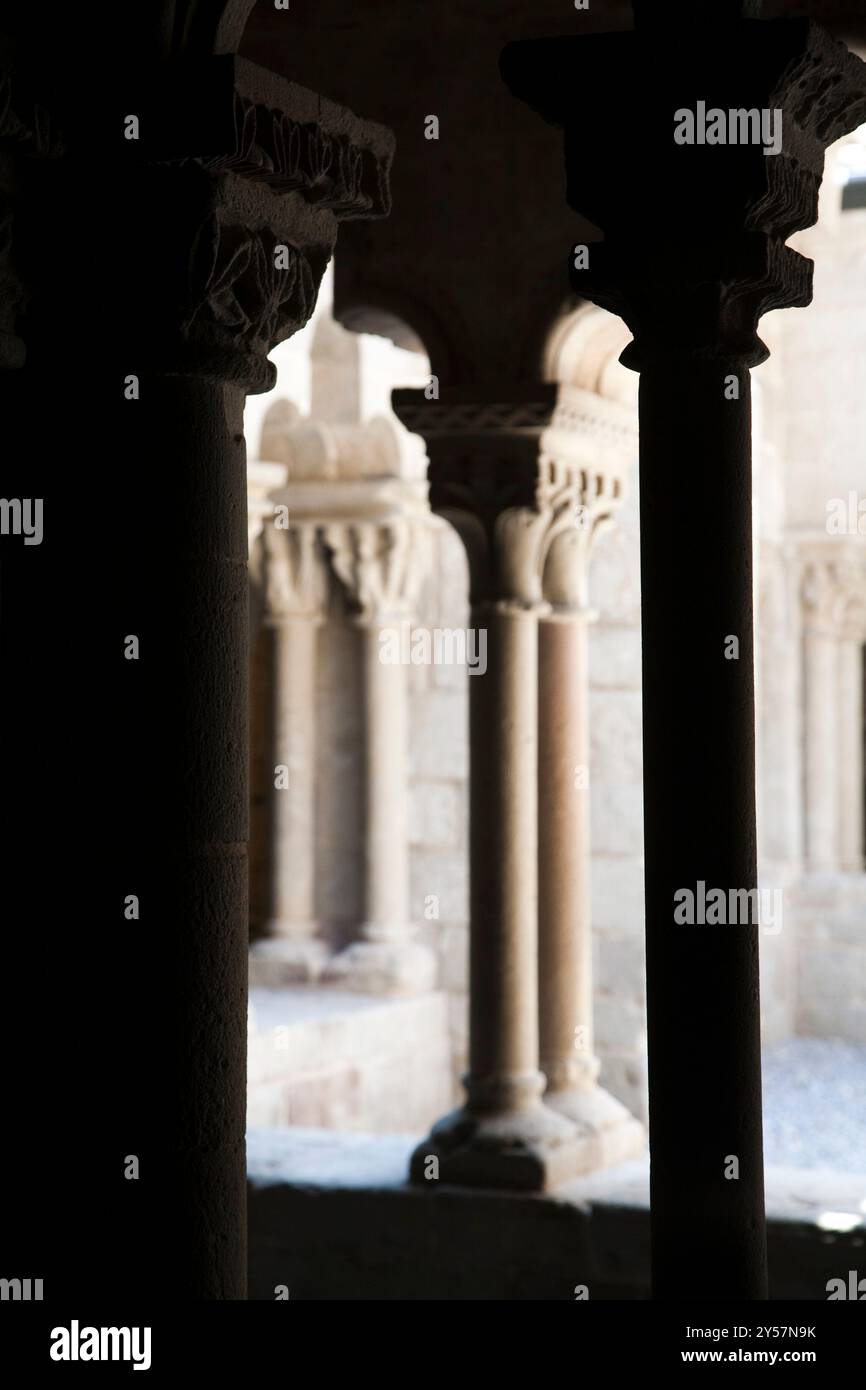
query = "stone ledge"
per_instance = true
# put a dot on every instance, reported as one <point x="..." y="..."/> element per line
<point x="332" y="1217"/>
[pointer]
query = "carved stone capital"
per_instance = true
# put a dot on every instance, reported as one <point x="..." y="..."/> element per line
<point x="381" y="564"/>
<point x="527" y="483"/>
<point x="694" y="236"/>
<point x="484" y="479"/>
<point x="242" y="179"/>
<point x="293" y="574"/>
<point x="833" y="592"/>
<point x="586" y="454"/>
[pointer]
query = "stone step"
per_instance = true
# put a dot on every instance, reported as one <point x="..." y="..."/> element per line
<point x="342" y="1060"/>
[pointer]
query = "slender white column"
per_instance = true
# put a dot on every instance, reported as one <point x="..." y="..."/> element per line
<point x="851" y="771"/>
<point x="294" y="592"/>
<point x="778" y="702"/>
<point x="564" y="849"/>
<point x="381" y="564"/>
<point x="821" y="707"/>
<point x="386" y="846"/>
<point x="293" y="744"/>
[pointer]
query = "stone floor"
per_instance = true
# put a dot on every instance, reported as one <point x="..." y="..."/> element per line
<point x="815" y="1104"/>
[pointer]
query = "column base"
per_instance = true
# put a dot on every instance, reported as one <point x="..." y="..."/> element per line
<point x="383" y="967"/>
<point x="529" y="1150"/>
<point x="611" y="1134"/>
<point x="280" y="960"/>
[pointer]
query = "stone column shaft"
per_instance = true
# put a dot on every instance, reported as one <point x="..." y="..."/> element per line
<point x="821" y="696"/>
<point x="503" y="1039"/>
<point x="699" y="824"/>
<point x="565" y="924"/>
<point x="386" y="800"/>
<point x="292" y="827"/>
<point x="380" y="562"/>
<point x="221" y="263"/>
<point x="851" y="769"/>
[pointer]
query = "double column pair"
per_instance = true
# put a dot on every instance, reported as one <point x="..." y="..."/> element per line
<point x="379" y="561"/>
<point x="527" y="522"/>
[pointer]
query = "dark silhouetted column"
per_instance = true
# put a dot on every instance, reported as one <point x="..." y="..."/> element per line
<point x="199" y="198"/>
<point x="693" y="253"/>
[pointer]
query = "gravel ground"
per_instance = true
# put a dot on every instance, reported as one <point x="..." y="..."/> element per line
<point x="815" y="1104"/>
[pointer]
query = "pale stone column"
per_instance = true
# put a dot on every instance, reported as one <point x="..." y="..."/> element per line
<point x="583" y="481"/>
<point x="505" y="1136"/>
<point x="294" y="595"/>
<point x="821" y="711"/>
<point x="485" y="482"/>
<point x="850" y="727"/>
<point x="852" y="773"/>
<point x="504" y="1085"/>
<point x="386" y="734"/>
<point x="381" y="562"/>
<point x="777" y="701"/>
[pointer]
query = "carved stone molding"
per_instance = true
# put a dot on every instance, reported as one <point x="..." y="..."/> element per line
<point x="592" y="499"/>
<point x="248" y="121"/>
<point x="444" y="419"/>
<point x="586" y="426"/>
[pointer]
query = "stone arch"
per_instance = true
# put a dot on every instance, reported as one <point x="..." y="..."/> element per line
<point x="388" y="312"/>
<point x="583" y="349"/>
